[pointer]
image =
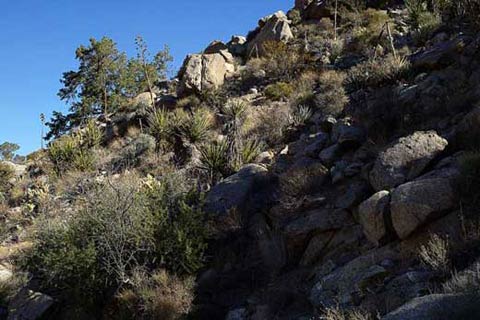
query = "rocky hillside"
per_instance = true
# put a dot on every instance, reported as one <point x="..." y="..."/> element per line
<point x="325" y="166"/>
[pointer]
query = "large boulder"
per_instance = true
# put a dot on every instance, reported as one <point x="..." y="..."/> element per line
<point x="230" y="197"/>
<point x="415" y="203"/>
<point x="275" y="27"/>
<point x="406" y="159"/>
<point x="438" y="307"/>
<point x="372" y="216"/>
<point x="348" y="283"/>
<point x="29" y="305"/>
<point x="202" y="72"/>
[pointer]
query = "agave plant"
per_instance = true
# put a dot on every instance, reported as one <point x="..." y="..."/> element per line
<point x="300" y="116"/>
<point x="159" y="124"/>
<point x="196" y="127"/>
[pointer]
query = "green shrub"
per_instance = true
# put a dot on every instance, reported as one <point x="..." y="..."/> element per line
<point x="279" y="91"/>
<point x="118" y="227"/>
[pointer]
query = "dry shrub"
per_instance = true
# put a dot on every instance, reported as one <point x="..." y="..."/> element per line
<point x="338" y="314"/>
<point x="368" y="29"/>
<point x="279" y="61"/>
<point x="303" y="181"/>
<point x="159" y="296"/>
<point x="378" y="72"/>
<point x="435" y="254"/>
<point x="467" y="281"/>
<point x="271" y="123"/>
<point x="331" y="97"/>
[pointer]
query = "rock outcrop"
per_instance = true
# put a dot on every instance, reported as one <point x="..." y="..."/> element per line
<point x="406" y="159"/>
<point x="275" y="27"/>
<point x="201" y="72"/>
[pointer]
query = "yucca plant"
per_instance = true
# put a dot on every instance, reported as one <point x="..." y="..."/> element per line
<point x="159" y="122"/>
<point x="92" y="135"/>
<point x="196" y="126"/>
<point x="250" y="150"/>
<point x="214" y="159"/>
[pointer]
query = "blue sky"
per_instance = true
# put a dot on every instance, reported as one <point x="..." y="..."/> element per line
<point x="39" y="38"/>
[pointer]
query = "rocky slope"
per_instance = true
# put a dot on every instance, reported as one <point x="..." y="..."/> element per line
<point x="360" y="209"/>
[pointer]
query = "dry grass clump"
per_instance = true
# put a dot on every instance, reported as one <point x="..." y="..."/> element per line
<point x="338" y="314"/>
<point x="435" y="254"/>
<point x="160" y="295"/>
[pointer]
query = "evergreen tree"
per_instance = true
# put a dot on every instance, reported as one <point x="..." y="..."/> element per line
<point x="95" y="87"/>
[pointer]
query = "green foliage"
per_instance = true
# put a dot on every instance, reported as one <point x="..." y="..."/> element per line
<point x="214" y="159"/>
<point x="96" y="85"/>
<point x="195" y="127"/>
<point x="301" y="116"/>
<point x="279" y="91"/>
<point x="371" y="24"/>
<point x="422" y="21"/>
<point x="119" y="227"/>
<point x="160" y="126"/>
<point x="250" y="150"/>
<point x="105" y="80"/>
<point x="91" y="136"/>
<point x="7" y="150"/>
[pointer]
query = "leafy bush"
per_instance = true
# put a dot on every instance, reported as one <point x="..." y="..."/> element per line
<point x="279" y="91"/>
<point x="331" y="98"/>
<point x="250" y="150"/>
<point x="118" y="227"/>
<point x="422" y="21"/>
<point x="378" y="72"/>
<point x="155" y="296"/>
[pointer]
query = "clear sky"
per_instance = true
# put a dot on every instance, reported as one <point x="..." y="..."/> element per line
<point x="38" y="40"/>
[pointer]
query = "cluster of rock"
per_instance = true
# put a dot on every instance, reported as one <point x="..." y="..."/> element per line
<point x="208" y="70"/>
